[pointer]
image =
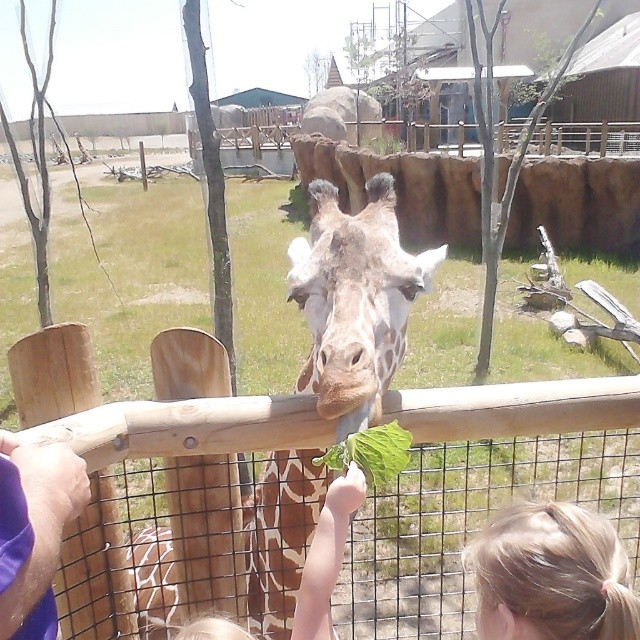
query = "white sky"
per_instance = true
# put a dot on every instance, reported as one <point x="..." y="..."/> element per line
<point x="127" y="55"/>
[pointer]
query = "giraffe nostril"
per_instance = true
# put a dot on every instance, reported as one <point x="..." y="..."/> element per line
<point x="356" y="358"/>
<point x="323" y="358"/>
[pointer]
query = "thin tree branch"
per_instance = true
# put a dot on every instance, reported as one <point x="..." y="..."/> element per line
<point x="496" y="22"/>
<point x="52" y="27"/>
<point x="531" y="123"/>
<point x="32" y="135"/>
<point x="82" y="202"/>
<point x="477" y="81"/>
<point x="25" y="45"/>
<point x="20" y="173"/>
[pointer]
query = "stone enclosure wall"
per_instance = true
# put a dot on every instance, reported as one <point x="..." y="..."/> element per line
<point x="583" y="203"/>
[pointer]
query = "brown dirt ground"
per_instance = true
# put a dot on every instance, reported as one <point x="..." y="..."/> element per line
<point x="11" y="207"/>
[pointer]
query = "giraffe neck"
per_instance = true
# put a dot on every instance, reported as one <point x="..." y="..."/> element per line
<point x="155" y="578"/>
<point x="288" y="503"/>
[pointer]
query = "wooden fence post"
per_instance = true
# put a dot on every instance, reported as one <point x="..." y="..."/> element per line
<point x="501" y="137"/>
<point x="540" y="140"/>
<point x="411" y="137"/>
<point x="559" y="142"/>
<point x="203" y="491"/>
<point x="278" y="136"/>
<point x="604" y="139"/>
<point x="53" y="375"/>
<point x="461" y="138"/>
<point x="587" y="146"/>
<point x="255" y="142"/>
<point x="143" y="167"/>
<point x="548" y="132"/>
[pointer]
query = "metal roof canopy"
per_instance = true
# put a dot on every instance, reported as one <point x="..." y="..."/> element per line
<point x="467" y="74"/>
<point x="618" y="46"/>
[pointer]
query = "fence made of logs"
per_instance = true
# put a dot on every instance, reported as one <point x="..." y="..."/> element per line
<point x="549" y="138"/>
<point x="599" y="139"/>
<point x="173" y="463"/>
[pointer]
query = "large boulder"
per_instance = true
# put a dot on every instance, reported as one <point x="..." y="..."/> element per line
<point x="326" y="121"/>
<point x="228" y="116"/>
<point x="343" y="100"/>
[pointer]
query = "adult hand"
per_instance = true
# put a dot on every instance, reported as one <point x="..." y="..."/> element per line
<point x="8" y="442"/>
<point x="53" y="477"/>
<point x="347" y="493"/>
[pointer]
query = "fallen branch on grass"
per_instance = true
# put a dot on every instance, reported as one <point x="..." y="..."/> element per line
<point x="245" y="171"/>
<point x="553" y="292"/>
<point x="626" y="327"/>
<point x="153" y="172"/>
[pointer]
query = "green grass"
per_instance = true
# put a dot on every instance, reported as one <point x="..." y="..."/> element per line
<point x="154" y="242"/>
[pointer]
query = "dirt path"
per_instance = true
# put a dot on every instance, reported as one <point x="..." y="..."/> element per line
<point x="12" y="210"/>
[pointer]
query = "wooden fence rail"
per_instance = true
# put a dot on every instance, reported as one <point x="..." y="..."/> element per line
<point x="98" y="590"/>
<point x="138" y="429"/>
<point x="550" y="138"/>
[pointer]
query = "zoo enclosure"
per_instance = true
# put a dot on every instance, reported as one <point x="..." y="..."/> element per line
<point x="474" y="451"/>
<point x="550" y="138"/>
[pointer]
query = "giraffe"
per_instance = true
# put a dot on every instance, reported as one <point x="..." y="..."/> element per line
<point x="355" y="286"/>
<point x="155" y="577"/>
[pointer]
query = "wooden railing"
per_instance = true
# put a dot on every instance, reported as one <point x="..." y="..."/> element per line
<point x="598" y="139"/>
<point x="591" y="139"/>
<point x="258" y="138"/>
<point x="140" y="429"/>
<point x="475" y="447"/>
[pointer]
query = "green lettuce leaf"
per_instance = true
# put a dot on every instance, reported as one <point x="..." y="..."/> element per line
<point x="381" y="452"/>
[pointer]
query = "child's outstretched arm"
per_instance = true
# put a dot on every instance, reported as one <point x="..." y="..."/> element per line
<point x="312" y="619"/>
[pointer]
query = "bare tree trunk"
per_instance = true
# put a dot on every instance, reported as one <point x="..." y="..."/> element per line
<point x="495" y="214"/>
<point x="358" y="115"/>
<point x="39" y="226"/>
<point x="42" y="277"/>
<point x="199" y="89"/>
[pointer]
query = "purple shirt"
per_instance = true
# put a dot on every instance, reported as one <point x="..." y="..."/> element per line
<point x="16" y="544"/>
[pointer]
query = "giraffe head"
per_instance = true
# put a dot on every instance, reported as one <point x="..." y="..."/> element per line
<point x="355" y="285"/>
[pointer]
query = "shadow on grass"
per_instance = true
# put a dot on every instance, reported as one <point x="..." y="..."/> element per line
<point x="612" y="359"/>
<point x="626" y="263"/>
<point x="297" y="209"/>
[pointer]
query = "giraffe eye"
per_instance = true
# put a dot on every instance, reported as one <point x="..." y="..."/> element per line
<point x="300" y="298"/>
<point x="410" y="291"/>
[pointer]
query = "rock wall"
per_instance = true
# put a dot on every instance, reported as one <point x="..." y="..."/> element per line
<point x="583" y="203"/>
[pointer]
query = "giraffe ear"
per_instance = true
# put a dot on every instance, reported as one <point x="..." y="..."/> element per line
<point x="298" y="251"/>
<point x="429" y="261"/>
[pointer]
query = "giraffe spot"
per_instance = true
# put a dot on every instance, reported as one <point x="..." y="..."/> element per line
<point x="316" y="386"/>
<point x="282" y="570"/>
<point x="296" y="523"/>
<point x="391" y="336"/>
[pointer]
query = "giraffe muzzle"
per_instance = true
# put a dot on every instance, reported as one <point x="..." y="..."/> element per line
<point x="339" y="393"/>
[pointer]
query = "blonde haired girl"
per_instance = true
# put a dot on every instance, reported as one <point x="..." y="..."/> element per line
<point x="312" y="620"/>
<point x="213" y="629"/>
<point x="552" y="571"/>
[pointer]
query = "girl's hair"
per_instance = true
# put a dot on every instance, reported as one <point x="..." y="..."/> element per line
<point x="213" y="628"/>
<point x="560" y="567"/>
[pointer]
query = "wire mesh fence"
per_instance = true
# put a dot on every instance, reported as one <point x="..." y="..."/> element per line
<point x="402" y="576"/>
